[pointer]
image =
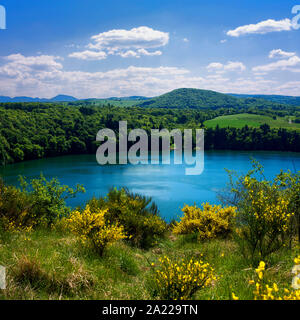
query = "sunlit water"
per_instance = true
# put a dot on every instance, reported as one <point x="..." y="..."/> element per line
<point x="168" y="185"/>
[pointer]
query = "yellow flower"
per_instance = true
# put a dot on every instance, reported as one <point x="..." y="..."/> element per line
<point x="234" y="297"/>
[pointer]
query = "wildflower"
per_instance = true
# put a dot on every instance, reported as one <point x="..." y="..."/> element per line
<point x="234" y="297"/>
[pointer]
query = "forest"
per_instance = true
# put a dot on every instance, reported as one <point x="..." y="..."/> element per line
<point x="36" y="130"/>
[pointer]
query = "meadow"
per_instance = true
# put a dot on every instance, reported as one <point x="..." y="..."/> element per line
<point x="251" y="120"/>
<point x="49" y="264"/>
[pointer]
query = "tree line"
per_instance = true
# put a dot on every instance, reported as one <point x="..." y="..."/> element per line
<point x="36" y="130"/>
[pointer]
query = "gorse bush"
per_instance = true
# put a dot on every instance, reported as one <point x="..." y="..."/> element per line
<point x="39" y="202"/>
<point x="264" y="290"/>
<point x="15" y="209"/>
<point x="210" y="222"/>
<point x="290" y="185"/>
<point x="137" y="214"/>
<point x="180" y="280"/>
<point x="263" y="218"/>
<point x="93" y="229"/>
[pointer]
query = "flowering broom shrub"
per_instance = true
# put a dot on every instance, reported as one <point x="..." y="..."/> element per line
<point x="210" y="222"/>
<point x="181" y="280"/>
<point x="92" y="228"/>
<point x="15" y="213"/>
<point x="263" y="217"/>
<point x="263" y="290"/>
<point x="263" y="220"/>
<point x="137" y="214"/>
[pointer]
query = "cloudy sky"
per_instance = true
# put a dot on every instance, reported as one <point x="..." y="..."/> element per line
<point x="98" y="49"/>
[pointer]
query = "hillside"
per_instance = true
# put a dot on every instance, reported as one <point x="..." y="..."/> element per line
<point x="191" y="98"/>
<point x="292" y="101"/>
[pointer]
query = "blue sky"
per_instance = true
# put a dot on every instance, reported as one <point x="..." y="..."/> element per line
<point x="96" y="48"/>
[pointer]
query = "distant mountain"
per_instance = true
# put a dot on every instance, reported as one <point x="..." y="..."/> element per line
<point x="59" y="98"/>
<point x="179" y="98"/>
<point x="63" y="98"/>
<point x="293" y="101"/>
<point x="131" y="98"/>
<point x="192" y="98"/>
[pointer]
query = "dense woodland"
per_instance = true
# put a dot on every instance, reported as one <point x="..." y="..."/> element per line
<point x="35" y="130"/>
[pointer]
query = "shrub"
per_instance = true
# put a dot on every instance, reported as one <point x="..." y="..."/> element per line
<point x="92" y="228"/>
<point x="290" y="185"/>
<point x="136" y="213"/>
<point x="15" y="209"/>
<point x="39" y="202"/>
<point x="263" y="217"/>
<point x="210" y="222"/>
<point x="181" y="280"/>
<point x="263" y="290"/>
<point x="48" y="198"/>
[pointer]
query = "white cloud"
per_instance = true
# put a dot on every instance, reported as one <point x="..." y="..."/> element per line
<point x="262" y="27"/>
<point x="138" y="53"/>
<point x="185" y="40"/>
<point x="223" y="41"/>
<point x="278" y="53"/>
<point x="230" y="66"/>
<point x="285" y="64"/>
<point x="125" y="43"/>
<point x="89" y="55"/>
<point x="147" y="53"/>
<point x="141" y="37"/>
<point x="20" y="66"/>
<point x="215" y="66"/>
<point x="44" y="76"/>
<point x="234" y="66"/>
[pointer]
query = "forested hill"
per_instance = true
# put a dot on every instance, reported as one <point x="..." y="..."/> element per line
<point x="191" y="98"/>
<point x="290" y="100"/>
<point x="206" y="99"/>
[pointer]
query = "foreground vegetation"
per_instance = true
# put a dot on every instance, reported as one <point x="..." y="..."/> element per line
<point x="50" y="264"/>
<point x="118" y="247"/>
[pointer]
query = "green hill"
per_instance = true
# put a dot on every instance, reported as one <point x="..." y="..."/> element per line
<point x="191" y="98"/>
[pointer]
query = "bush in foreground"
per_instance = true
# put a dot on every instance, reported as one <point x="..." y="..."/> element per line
<point x="180" y="280"/>
<point x="264" y="215"/>
<point x="39" y="202"/>
<point x="137" y="214"/>
<point x="210" y="222"/>
<point x="264" y="290"/>
<point x="92" y="228"/>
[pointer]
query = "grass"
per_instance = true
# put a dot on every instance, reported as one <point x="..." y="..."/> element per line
<point x="251" y="120"/>
<point x="50" y="264"/>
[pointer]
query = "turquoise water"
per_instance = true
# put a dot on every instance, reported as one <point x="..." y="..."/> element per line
<point x="168" y="185"/>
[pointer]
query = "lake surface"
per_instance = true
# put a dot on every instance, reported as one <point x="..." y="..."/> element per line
<point x="168" y="185"/>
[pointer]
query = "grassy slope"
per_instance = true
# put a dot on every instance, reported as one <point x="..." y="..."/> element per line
<point x="66" y="270"/>
<point x="252" y="120"/>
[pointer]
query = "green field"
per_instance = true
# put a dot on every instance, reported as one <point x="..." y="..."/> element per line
<point x="251" y="120"/>
<point x="49" y="264"/>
